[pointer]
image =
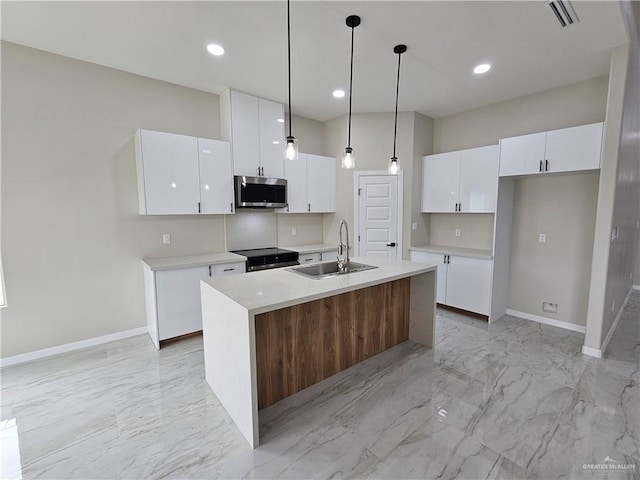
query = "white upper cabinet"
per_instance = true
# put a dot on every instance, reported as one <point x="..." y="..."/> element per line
<point x="461" y="181"/>
<point x="321" y="183"/>
<point x="255" y="128"/>
<point x="565" y="150"/>
<point x="178" y="174"/>
<point x="216" y="176"/>
<point x="574" y="149"/>
<point x="522" y="155"/>
<point x="440" y="182"/>
<point x="311" y="184"/>
<point x="168" y="173"/>
<point x="295" y="171"/>
<point x="272" y="139"/>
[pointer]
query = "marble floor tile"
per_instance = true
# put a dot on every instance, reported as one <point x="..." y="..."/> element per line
<point x="507" y="400"/>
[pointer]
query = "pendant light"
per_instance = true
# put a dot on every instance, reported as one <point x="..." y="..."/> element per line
<point x="348" y="159"/>
<point x="291" y="144"/>
<point x="393" y="162"/>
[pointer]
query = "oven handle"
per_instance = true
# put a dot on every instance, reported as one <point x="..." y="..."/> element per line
<point x="256" y="268"/>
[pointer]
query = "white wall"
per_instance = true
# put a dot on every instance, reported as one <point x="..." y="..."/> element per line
<point x="72" y="238"/>
<point x="577" y="104"/>
<point x="619" y="201"/>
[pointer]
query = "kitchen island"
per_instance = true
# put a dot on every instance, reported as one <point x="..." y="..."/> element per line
<point x="272" y="333"/>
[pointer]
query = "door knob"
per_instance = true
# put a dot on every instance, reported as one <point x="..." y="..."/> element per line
<point x="392" y="244"/>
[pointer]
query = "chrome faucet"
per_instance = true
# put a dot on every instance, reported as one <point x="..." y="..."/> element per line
<point x="343" y="263"/>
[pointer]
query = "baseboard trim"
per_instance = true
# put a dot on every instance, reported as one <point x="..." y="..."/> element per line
<point x="69" y="347"/>
<point x="547" y="321"/>
<point x="592" y="352"/>
<point x="615" y="321"/>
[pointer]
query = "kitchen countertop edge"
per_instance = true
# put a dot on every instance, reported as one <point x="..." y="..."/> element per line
<point x="459" y="251"/>
<point x="187" y="261"/>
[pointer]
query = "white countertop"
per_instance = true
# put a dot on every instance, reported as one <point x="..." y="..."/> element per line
<point x="459" y="251"/>
<point x="185" y="261"/>
<point x="268" y="290"/>
<point x="318" y="247"/>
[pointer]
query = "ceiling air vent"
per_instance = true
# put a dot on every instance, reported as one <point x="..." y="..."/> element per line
<point x="564" y="12"/>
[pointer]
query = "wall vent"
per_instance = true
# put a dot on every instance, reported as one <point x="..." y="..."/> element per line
<point x="564" y="12"/>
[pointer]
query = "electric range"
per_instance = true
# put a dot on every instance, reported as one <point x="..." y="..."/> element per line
<point x="266" y="258"/>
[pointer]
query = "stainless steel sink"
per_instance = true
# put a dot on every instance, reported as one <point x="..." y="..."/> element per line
<point x="327" y="269"/>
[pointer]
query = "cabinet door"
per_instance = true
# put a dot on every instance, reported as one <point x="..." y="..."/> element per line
<point x="178" y="300"/>
<point x="479" y="179"/>
<point x="271" y="138"/>
<point x="245" y="134"/>
<point x="574" y="149"/>
<point x="441" y="274"/>
<point x="216" y="176"/>
<point x="469" y="284"/>
<point x="169" y="167"/>
<point x="440" y="182"/>
<point x="321" y="183"/>
<point x="295" y="171"/>
<point x="522" y="155"/>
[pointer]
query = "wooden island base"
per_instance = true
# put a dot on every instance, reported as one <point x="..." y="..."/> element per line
<point x="301" y="345"/>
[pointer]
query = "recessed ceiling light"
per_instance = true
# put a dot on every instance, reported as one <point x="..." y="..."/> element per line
<point x="482" y="68"/>
<point x="338" y="93"/>
<point x="215" y="49"/>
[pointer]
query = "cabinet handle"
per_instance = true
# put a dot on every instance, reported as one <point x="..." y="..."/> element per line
<point x="287" y="207"/>
<point x="231" y="207"/>
<point x="540" y="166"/>
<point x="308" y="207"/>
<point x="546" y="165"/>
<point x="199" y="208"/>
<point x="308" y="259"/>
<point x="460" y="207"/>
<point x="444" y="259"/>
<point x="209" y="270"/>
<point x="229" y="269"/>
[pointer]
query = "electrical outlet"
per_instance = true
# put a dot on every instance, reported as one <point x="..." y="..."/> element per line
<point x="166" y="239"/>
<point x="542" y="238"/>
<point x="457" y="232"/>
<point x="549" y="307"/>
<point x="414" y="226"/>
<point x="294" y="231"/>
<point x="614" y="233"/>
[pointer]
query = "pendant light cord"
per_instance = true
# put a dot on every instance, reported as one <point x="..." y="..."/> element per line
<point x="289" y="59"/>
<point x="350" y="87"/>
<point x="395" y="127"/>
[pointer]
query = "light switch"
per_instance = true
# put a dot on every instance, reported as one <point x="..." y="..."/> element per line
<point x="414" y="226"/>
<point x="542" y="238"/>
<point x="294" y="231"/>
<point x="457" y="232"/>
<point x="166" y="239"/>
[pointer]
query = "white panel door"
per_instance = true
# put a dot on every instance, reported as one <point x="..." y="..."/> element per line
<point x="245" y="134"/>
<point x="522" y="155"/>
<point x="440" y="182"/>
<point x="171" y="173"/>
<point x="378" y="216"/>
<point x="178" y="299"/>
<point x="479" y="179"/>
<point x="295" y="171"/>
<point x="321" y="183"/>
<point x="574" y="149"/>
<point x="439" y="260"/>
<point x="469" y="284"/>
<point x="271" y="138"/>
<point x="216" y="176"/>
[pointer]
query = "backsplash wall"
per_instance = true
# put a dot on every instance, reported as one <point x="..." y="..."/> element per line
<point x="476" y="230"/>
<point x="308" y="228"/>
<point x="250" y="229"/>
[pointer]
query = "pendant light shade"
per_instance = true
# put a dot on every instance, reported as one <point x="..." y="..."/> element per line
<point x="394" y="168"/>
<point x="291" y="144"/>
<point x="348" y="159"/>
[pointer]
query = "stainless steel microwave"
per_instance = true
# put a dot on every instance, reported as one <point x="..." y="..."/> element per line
<point x="260" y="192"/>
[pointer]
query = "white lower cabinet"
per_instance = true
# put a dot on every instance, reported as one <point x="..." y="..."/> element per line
<point x="462" y="282"/>
<point x="175" y="294"/>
